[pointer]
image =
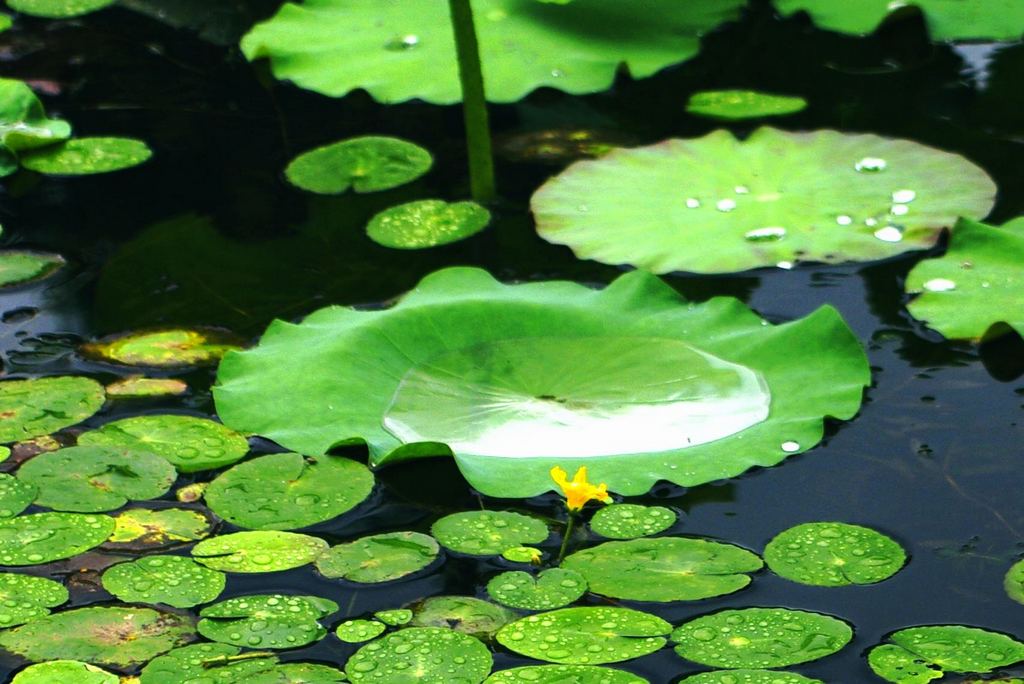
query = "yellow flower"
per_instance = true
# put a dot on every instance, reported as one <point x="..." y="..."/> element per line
<point x="579" y="491"/>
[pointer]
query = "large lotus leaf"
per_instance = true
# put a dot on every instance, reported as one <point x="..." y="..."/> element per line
<point x="664" y="569"/>
<point x="141" y="529"/>
<point x="31" y="408"/>
<point x="927" y="652"/>
<point x="58" y="9"/>
<point x="93" y="479"/>
<point x="24" y="598"/>
<point x="518" y="379"/>
<point x="629" y="521"/>
<point x="45" y="537"/>
<point x="17" y="267"/>
<point x="15" y="495"/>
<point x="118" y="636"/>
<point x="760" y="638"/>
<point x="173" y="580"/>
<point x="749" y="677"/>
<point x="288" y="491"/>
<point x="832" y="554"/>
<point x="189" y="443"/>
<point x="263" y="551"/>
<point x="64" y="672"/>
<point x="564" y="674"/>
<point x="488" y="533"/>
<point x="553" y="588"/>
<point x="464" y="614"/>
<point x="87" y="156"/>
<point x="946" y="19"/>
<point x="379" y="557"/>
<point x="163" y="348"/>
<point x="401" y="50"/>
<point x="773" y="199"/>
<point x="977" y="283"/>
<point x="23" y="121"/>
<point x="205" y="663"/>
<point x="271" y="621"/>
<point x="421" y="655"/>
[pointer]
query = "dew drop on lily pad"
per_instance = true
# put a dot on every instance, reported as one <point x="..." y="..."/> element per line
<point x="58" y="9"/>
<point x="833" y="554"/>
<point x="366" y="164"/>
<point x="487" y="533"/>
<point x="87" y="156"/>
<point x="18" y="267"/>
<point x="427" y="223"/>
<point x="32" y="408"/>
<point x="394" y="617"/>
<point x="743" y="104"/>
<point x="44" y="537"/>
<point x="272" y="621"/>
<point x="164" y="348"/>
<point x="64" y="672"/>
<point x="24" y="598"/>
<point x="172" y="580"/>
<point x="564" y="674"/>
<point x="15" y="495"/>
<point x="379" y="557"/>
<point x="196" y="663"/>
<point x="358" y="631"/>
<point x="434" y="654"/>
<point x="629" y="521"/>
<point x="552" y="588"/>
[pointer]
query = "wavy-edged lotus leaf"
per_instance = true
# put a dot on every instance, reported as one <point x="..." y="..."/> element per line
<point x="379" y="557"/>
<point x="191" y="444"/>
<point x="396" y="617"/>
<point x="749" y="677"/>
<point x="664" y="568"/>
<point x="400" y="51"/>
<point x="760" y="638"/>
<point x="427" y="655"/>
<point x="946" y="19"/>
<point x="19" y="266"/>
<point x="773" y="199"/>
<point x="464" y="614"/>
<point x="58" y="9"/>
<point x="266" y="621"/>
<point x="87" y="156"/>
<point x="896" y="664"/>
<point x="24" y="598"/>
<point x="553" y="588"/>
<point x="164" y="348"/>
<point x="145" y="529"/>
<point x="23" y="121"/>
<point x="834" y="554"/>
<point x="94" y="479"/>
<point x="44" y="537"/>
<point x="564" y="674"/>
<point x="976" y="284"/>
<point x="743" y="104"/>
<point x="31" y="408"/>
<point x="1013" y="582"/>
<point x="358" y="631"/>
<point x="517" y="379"/>
<point x="261" y="551"/>
<point x="64" y="672"/>
<point x="15" y="495"/>
<point x="427" y="223"/>
<point x="288" y="491"/>
<point x="630" y="521"/>
<point x="118" y="636"/>
<point x="205" y="663"/>
<point x="931" y="651"/>
<point x="523" y="554"/>
<point x="586" y="635"/>
<point x="487" y="533"/>
<point x="298" y="673"/>
<point x="138" y="387"/>
<point x="173" y="580"/>
<point x="366" y="164"/>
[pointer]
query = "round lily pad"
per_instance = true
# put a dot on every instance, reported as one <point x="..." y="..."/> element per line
<point x="770" y="200"/>
<point x="58" y="9"/>
<point x="832" y="554"/>
<point x="749" y="677"/>
<point x="629" y="521"/>
<point x="463" y="614"/>
<point x="586" y="636"/>
<point x="760" y="638"/>
<point x="379" y="557"/>
<point x="206" y="663"/>
<point x="31" y="408"/>
<point x="189" y="443"/>
<point x="743" y="104"/>
<point x="366" y="164"/>
<point x="288" y="491"/>
<point x="263" y="551"/>
<point x="358" y="631"/>
<point x="15" y="495"/>
<point x="137" y="387"/>
<point x="929" y="652"/>
<point x="553" y="588"/>
<point x="86" y="156"/>
<point x="518" y="379"/>
<point x="430" y="655"/>
<point x="93" y="479"/>
<point x="427" y="223"/>
<point x="299" y="673"/>
<point x="487" y="533"/>
<point x="44" y="537"/>
<point x="24" y="598"/>
<point x="164" y="348"/>
<point x="1014" y="582"/>
<point x="564" y="674"/>
<point x="141" y="529"/>
<point x="117" y="636"/>
<point x="664" y="569"/>
<point x="400" y="52"/>
<point x="271" y="621"/>
<point x="173" y="580"/>
<point x="17" y="267"/>
<point x="395" y="617"/>
<point x="64" y="671"/>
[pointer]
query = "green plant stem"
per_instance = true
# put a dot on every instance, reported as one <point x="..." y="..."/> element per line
<point x="474" y="102"/>
<point x="569" y="524"/>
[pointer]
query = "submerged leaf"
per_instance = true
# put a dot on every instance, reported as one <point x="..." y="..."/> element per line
<point x="564" y="674"/>
<point x="427" y="223"/>
<point x="44" y="537"/>
<point x="173" y="580"/>
<point x="832" y="554"/>
<point x="379" y="557"/>
<point x="553" y="588"/>
<point x="25" y="598"/>
<point x="31" y="408"/>
<point x="86" y="156"/>
<point x="64" y="671"/>
<point x="137" y="387"/>
<point x="421" y="654"/>
<point x="366" y="164"/>
<point x="58" y="9"/>
<point x="264" y="551"/>
<point x="164" y="348"/>
<point x="18" y="267"/>
<point x="629" y="521"/>
<point x="487" y="533"/>
<point x="270" y="621"/>
<point x="463" y="614"/>
<point x="743" y="104"/>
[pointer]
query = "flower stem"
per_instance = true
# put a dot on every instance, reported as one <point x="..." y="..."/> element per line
<point x="569" y="524"/>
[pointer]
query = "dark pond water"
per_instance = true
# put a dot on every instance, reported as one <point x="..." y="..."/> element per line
<point x="208" y="233"/>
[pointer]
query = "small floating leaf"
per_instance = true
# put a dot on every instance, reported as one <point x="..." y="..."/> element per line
<point x="86" y="156"/>
<point x="139" y="529"/>
<point x="15" y="495"/>
<point x="193" y="664"/>
<point x="487" y="533"/>
<point x="137" y="387"/>
<point x="24" y="598"/>
<point x="164" y="348"/>
<point x="64" y="672"/>
<point x="270" y="621"/>
<point x="564" y="674"/>
<point x="367" y="164"/>
<point x="427" y="223"/>
<point x="832" y="554"/>
<point x="395" y="617"/>
<point x="929" y="652"/>
<point x="553" y="588"/>
<point x="379" y="557"/>
<point x="298" y="673"/>
<point x="17" y="267"/>
<point x="897" y="664"/>
<point x="58" y="9"/>
<point x="629" y="521"/>
<point x="743" y="104"/>
<point x="173" y="580"/>
<point x="749" y="677"/>
<point x="1014" y="582"/>
<point x="435" y="655"/>
<point x="44" y="537"/>
<point x="31" y="408"/>
<point x="264" y="551"/>
<point x="358" y="631"/>
<point x="23" y="121"/>
<point x="463" y="614"/>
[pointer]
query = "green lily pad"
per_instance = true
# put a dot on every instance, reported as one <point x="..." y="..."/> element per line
<point x="117" y="636"/>
<point x="23" y="121"/>
<point x="299" y="673"/>
<point x="976" y="284"/>
<point x="564" y="674"/>
<point x="191" y="444"/>
<point x="44" y="537"/>
<point x="488" y="533"/>
<point x="400" y="52"/>
<point x="63" y="672"/>
<point x="946" y="19"/>
<point x="6" y="22"/>
<point x="919" y="654"/>
<point x="586" y="636"/>
<point x="32" y="408"/>
<point x="87" y="156"/>
<point x="358" y="631"/>
<point x="760" y="638"/>
<point x="263" y="551"/>
<point x="163" y="348"/>
<point x="833" y="554"/>
<point x="427" y="223"/>
<point x="574" y="373"/>
<point x="140" y="529"/>
<point x="664" y="569"/>
<point x="366" y="164"/>
<point x="770" y="200"/>
<point x="629" y="521"/>
<point x="749" y="677"/>
<point x="743" y="104"/>
<point x="206" y="663"/>
<point x="1014" y="582"/>
<point x="553" y="588"/>
<point x="24" y="598"/>
<point x="396" y="617"/>
<point x="15" y="495"/>
<point x="463" y="614"/>
<point x="173" y="580"/>
<point x="288" y="491"/>
<point x="379" y="557"/>
<point x="19" y="267"/>
<point x="138" y="387"/>
<point x="427" y="655"/>
<point x="896" y="664"/>
<point x="91" y="479"/>
<point x="58" y="9"/>
<point x="270" y="621"/>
